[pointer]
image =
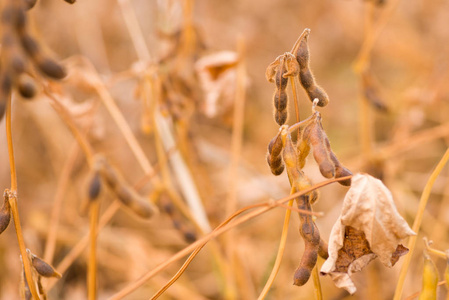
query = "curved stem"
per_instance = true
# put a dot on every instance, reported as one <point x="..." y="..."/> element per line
<point x="92" y="266"/>
<point x="417" y="223"/>
<point x="280" y="254"/>
<point x="12" y="164"/>
<point x="12" y="198"/>
<point x="317" y="283"/>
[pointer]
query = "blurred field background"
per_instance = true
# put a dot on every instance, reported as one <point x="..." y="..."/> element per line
<point x="409" y="63"/>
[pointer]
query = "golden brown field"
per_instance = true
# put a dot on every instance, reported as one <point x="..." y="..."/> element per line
<point x="134" y="133"/>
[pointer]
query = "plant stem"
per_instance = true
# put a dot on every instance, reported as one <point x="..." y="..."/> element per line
<point x="317" y="283"/>
<point x="12" y="198"/>
<point x="280" y="254"/>
<point x="64" y="179"/>
<point x="417" y="223"/>
<point x="92" y="266"/>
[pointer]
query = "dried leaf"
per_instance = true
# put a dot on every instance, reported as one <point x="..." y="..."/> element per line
<point x="217" y="75"/>
<point x="368" y="227"/>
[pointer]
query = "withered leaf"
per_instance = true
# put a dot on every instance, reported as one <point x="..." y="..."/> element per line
<point x="217" y="74"/>
<point x="368" y="227"/>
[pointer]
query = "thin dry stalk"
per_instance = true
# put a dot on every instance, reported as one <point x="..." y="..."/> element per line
<point x="68" y="120"/>
<point x="417" y="223"/>
<point x="366" y="132"/>
<point x="280" y="253"/>
<point x="181" y="170"/>
<point x="218" y="231"/>
<point x="92" y="265"/>
<point x="365" y="51"/>
<point x="12" y="198"/>
<point x="236" y="149"/>
<point x="317" y="283"/>
<point x="134" y="29"/>
<point x="64" y="178"/>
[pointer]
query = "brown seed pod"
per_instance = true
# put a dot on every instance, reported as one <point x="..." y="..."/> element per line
<point x="303" y="146"/>
<point x="45" y="65"/>
<point x="29" y="4"/>
<point x="178" y="221"/>
<point x="302" y="53"/>
<point x="311" y="235"/>
<point x="94" y="187"/>
<point x="5" y="213"/>
<point x="306" y="77"/>
<point x="280" y="100"/>
<point x="50" y="68"/>
<point x="276" y="165"/>
<point x="2" y="109"/>
<point x="340" y="170"/>
<point x="280" y="80"/>
<point x="126" y="194"/>
<point x="26" y="86"/>
<point x="25" y="292"/>
<point x="108" y="173"/>
<point x="317" y="139"/>
<point x="371" y="91"/>
<point x="275" y="146"/>
<point x="43" y="268"/>
<point x="317" y="92"/>
<point x="281" y="117"/>
<point x="323" y="249"/>
<point x="134" y="201"/>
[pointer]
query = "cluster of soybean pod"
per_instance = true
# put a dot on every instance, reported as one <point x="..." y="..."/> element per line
<point x="284" y="153"/>
<point x="19" y="50"/>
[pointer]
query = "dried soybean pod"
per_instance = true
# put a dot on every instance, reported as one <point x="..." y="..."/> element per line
<point x="25" y="292"/>
<point x="94" y="186"/>
<point x="46" y="65"/>
<point x="132" y="200"/>
<point x="320" y="152"/>
<point x="51" y="68"/>
<point x="305" y="74"/>
<point x="280" y="80"/>
<point x="340" y="170"/>
<point x="323" y="249"/>
<point x="276" y="165"/>
<point x="177" y="220"/>
<point x="371" y="92"/>
<point x="281" y="117"/>
<point x="274" y="157"/>
<point x="280" y="100"/>
<point x="43" y="268"/>
<point x="429" y="281"/>
<point x="317" y="92"/>
<point x="5" y="213"/>
<point x="303" y="146"/>
<point x="109" y="174"/>
<point x="302" y="53"/>
<point x="311" y="235"/>
<point x="280" y="97"/>
<point x="29" y="4"/>
<point x="26" y="86"/>
<point x="275" y="146"/>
